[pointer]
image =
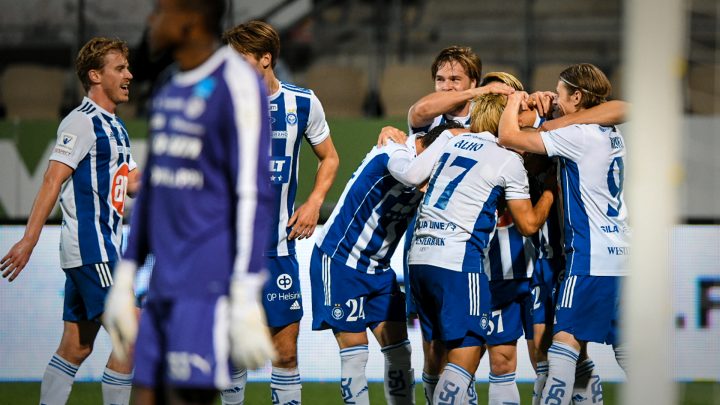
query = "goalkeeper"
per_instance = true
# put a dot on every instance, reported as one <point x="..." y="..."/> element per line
<point x="204" y="211"/>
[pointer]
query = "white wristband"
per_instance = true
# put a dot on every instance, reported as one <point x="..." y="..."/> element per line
<point x="538" y="120"/>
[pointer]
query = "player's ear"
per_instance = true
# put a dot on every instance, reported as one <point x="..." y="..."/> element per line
<point x="266" y="60"/>
<point x="94" y="76"/>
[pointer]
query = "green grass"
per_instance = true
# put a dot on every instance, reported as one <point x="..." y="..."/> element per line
<point x="695" y="393"/>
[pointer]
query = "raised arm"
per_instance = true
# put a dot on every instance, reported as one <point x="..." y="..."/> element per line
<point x="509" y="133"/>
<point x="613" y="112"/>
<point x="427" y="108"/>
<point x="18" y="256"/>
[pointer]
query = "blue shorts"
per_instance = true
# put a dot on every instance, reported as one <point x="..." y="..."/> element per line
<point x="281" y="297"/>
<point x="183" y="343"/>
<point x="449" y="305"/>
<point x="347" y="300"/>
<point x="85" y="290"/>
<point x="588" y="308"/>
<point x="544" y="285"/>
<point x="510" y="310"/>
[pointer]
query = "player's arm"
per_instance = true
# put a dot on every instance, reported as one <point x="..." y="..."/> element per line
<point x="613" y="112"/>
<point x="509" y="133"/>
<point x="305" y="218"/>
<point x="134" y="182"/>
<point x="424" y="111"/>
<point x="528" y="218"/>
<point x="17" y="257"/>
<point x="413" y="170"/>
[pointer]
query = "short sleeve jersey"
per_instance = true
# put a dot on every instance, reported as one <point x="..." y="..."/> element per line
<point x="95" y="144"/>
<point x="458" y="213"/>
<point x="592" y="173"/>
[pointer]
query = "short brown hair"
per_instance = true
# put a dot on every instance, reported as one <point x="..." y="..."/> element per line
<point x="462" y="55"/>
<point x="92" y="56"/>
<point x="255" y="38"/>
<point x="502" y="77"/>
<point x="590" y="81"/>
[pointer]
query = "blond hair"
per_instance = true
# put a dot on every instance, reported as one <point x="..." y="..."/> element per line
<point x="92" y="57"/>
<point x="255" y="38"/>
<point x="487" y="108"/>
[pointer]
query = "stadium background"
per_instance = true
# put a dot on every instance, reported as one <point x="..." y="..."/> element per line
<point x="368" y="61"/>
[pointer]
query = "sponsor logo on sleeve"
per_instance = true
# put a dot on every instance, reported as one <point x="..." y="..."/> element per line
<point x="65" y="144"/>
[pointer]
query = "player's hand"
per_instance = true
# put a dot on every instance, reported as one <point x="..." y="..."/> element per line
<point x="542" y="102"/>
<point x="304" y="220"/>
<point x="393" y="134"/>
<point x="518" y="98"/>
<point x="16" y="259"/>
<point x="250" y="343"/>
<point x="495" y="88"/>
<point x="120" y="317"/>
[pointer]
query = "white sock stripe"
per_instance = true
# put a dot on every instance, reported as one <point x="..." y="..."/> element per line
<point x="354" y="350"/>
<point x="457" y="369"/>
<point x="239" y="374"/>
<point x="429" y="378"/>
<point x="405" y="342"/>
<point x="106" y="379"/>
<point x="505" y="378"/>
<point x="563" y="351"/>
<point x="63" y="367"/>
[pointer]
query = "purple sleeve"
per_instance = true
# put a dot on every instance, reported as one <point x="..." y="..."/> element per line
<point x="254" y="195"/>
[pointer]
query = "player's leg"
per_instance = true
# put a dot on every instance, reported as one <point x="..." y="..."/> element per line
<point x="75" y="346"/>
<point x="503" y="363"/>
<point x="457" y="376"/>
<point x="544" y="289"/>
<point x="399" y="375"/>
<point x="285" y="383"/>
<point x="117" y="378"/>
<point x="435" y="359"/>
<point x="587" y="388"/>
<point x="542" y="340"/>
<point x="353" y="359"/>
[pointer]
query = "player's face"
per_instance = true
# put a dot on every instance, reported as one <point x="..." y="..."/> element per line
<point x="115" y="77"/>
<point x="168" y="26"/>
<point x="566" y="102"/>
<point x="252" y="60"/>
<point x="451" y="76"/>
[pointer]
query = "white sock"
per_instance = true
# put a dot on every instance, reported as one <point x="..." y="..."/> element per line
<point x="429" y="383"/>
<point x="399" y="375"/>
<point x="285" y="386"/>
<point x="541" y="377"/>
<point x="503" y="390"/>
<point x="353" y="381"/>
<point x="235" y="395"/>
<point x="588" y="387"/>
<point x="471" y="397"/>
<point x="57" y="381"/>
<point x="562" y="360"/>
<point x="453" y="386"/>
<point x="116" y="387"/>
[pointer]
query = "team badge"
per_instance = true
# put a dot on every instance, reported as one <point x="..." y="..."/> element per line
<point x="484" y="322"/>
<point x="338" y="313"/>
<point x="284" y="282"/>
<point x="291" y="118"/>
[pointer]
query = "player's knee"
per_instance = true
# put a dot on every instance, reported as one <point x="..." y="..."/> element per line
<point x="75" y="353"/>
<point x="286" y="357"/>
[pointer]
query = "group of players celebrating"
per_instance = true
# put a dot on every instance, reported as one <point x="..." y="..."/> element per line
<point x="511" y="204"/>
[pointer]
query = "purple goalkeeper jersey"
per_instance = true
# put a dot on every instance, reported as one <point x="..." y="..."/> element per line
<point x="205" y="207"/>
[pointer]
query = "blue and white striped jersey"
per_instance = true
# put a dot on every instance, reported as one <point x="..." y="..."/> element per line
<point x="204" y="210"/>
<point x="595" y="216"/>
<point x="510" y="255"/>
<point x="458" y="214"/>
<point x="439" y="120"/>
<point x="96" y="145"/>
<point x="294" y="113"/>
<point x="377" y="204"/>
